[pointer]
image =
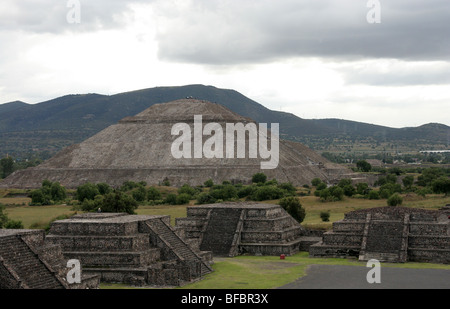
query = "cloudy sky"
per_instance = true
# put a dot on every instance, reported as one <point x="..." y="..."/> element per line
<point x="385" y="62"/>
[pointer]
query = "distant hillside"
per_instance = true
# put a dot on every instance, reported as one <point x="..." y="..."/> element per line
<point x="51" y="125"/>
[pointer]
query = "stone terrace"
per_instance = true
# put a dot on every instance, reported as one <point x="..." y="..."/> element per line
<point x="394" y="234"/>
<point x="230" y="229"/>
<point x="27" y="263"/>
<point x="133" y="249"/>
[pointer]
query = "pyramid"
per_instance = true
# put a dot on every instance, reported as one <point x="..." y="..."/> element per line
<point x="139" y="148"/>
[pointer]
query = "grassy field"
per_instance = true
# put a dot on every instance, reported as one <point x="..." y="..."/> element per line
<point x="268" y="272"/>
<point x="17" y="209"/>
<point x="243" y="272"/>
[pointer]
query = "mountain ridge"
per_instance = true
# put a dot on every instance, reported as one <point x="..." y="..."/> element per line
<point x="59" y="122"/>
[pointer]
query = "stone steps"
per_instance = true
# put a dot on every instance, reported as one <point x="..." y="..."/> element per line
<point x="27" y="264"/>
<point x="179" y="247"/>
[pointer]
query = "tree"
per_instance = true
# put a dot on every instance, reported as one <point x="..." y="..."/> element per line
<point x="408" y="181"/>
<point x="153" y="194"/>
<point x="441" y="185"/>
<point x="87" y="191"/>
<point x="104" y="188"/>
<point x="293" y="207"/>
<point x="325" y="216"/>
<point x="259" y="178"/>
<point x="209" y="183"/>
<point x="395" y="200"/>
<point x="140" y="194"/>
<point x="316" y="181"/>
<point x="115" y="201"/>
<point x="364" y="166"/>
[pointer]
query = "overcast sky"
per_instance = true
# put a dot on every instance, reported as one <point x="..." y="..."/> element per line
<point x="314" y="58"/>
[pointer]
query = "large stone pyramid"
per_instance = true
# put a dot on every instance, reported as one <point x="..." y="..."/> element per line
<point x="138" y="148"/>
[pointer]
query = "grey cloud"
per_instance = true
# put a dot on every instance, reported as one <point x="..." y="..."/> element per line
<point x="398" y="74"/>
<point x="50" y="16"/>
<point x="260" y="31"/>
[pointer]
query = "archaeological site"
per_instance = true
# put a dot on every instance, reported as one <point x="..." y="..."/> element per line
<point x="139" y="148"/>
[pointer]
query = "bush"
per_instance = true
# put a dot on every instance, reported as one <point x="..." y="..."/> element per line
<point x="259" y="178"/>
<point x="395" y="200"/>
<point x="349" y="190"/>
<point x="332" y="194"/>
<point x="87" y="191"/>
<point x="246" y="191"/>
<point x="129" y="185"/>
<point x="288" y="187"/>
<point x="103" y="188"/>
<point x="115" y="201"/>
<point x="374" y="195"/>
<point x="441" y="185"/>
<point x="293" y="207"/>
<point x="187" y="189"/>
<point x="183" y="198"/>
<point x="171" y="199"/>
<point x="205" y="198"/>
<point x="325" y="216"/>
<point x="140" y="194"/>
<point x="264" y="193"/>
<point x="209" y="183"/>
<point x="316" y="181"/>
<point x="362" y="188"/>
<point x="153" y="194"/>
<point x="321" y="186"/>
<point x="224" y="192"/>
<point x="13" y="224"/>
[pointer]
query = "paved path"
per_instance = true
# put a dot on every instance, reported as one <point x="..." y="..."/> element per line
<point x="354" y="277"/>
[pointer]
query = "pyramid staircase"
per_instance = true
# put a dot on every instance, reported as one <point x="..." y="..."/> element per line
<point x="138" y="250"/>
<point x="31" y="271"/>
<point x="176" y="247"/>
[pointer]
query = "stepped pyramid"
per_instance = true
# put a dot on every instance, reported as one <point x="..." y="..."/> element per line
<point x="26" y="262"/>
<point x="230" y="229"/>
<point x="392" y="234"/>
<point x="134" y="249"/>
<point x="138" y="148"/>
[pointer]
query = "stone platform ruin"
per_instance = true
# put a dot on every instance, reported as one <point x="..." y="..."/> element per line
<point x="231" y="229"/>
<point x="26" y="262"/>
<point x="133" y="249"/>
<point x="392" y="234"/>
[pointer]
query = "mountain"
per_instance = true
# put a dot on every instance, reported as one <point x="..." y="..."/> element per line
<point x="49" y="126"/>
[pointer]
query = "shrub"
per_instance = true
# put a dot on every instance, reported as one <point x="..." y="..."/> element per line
<point x="224" y="192"/>
<point x="288" y="187"/>
<point x="395" y="200"/>
<point x="187" y="189"/>
<point x="374" y="195"/>
<point x="209" y="183"/>
<point x="293" y="207"/>
<point x="321" y="186"/>
<point x="334" y="193"/>
<point x="325" y="216"/>
<point x="362" y="188"/>
<point x="118" y="202"/>
<point x="103" y="188"/>
<point x="171" y="199"/>
<point x="246" y="191"/>
<point x="344" y="182"/>
<point x="140" y="194"/>
<point x="129" y="185"/>
<point x="264" y="193"/>
<point x="183" y="198"/>
<point x="13" y="224"/>
<point x="166" y="182"/>
<point x="316" y="181"/>
<point x="205" y="198"/>
<point x="153" y="194"/>
<point x="349" y="190"/>
<point x="259" y="178"/>
<point x="87" y="191"/>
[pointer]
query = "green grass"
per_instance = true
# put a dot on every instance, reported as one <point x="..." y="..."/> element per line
<point x="268" y="272"/>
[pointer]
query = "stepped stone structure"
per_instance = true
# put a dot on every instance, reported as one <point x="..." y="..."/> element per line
<point x="134" y="249"/>
<point x="231" y="229"/>
<point x="393" y="234"/>
<point x="139" y="149"/>
<point x="27" y="263"/>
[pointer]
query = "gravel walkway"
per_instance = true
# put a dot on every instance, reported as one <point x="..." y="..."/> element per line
<point x="354" y="277"/>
